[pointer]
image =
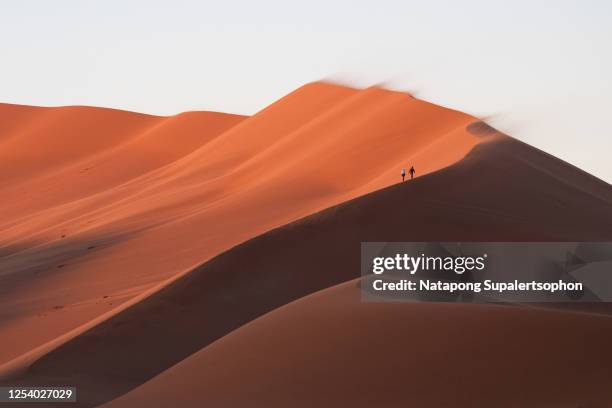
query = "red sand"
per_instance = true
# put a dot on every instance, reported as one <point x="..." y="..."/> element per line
<point x="319" y="146"/>
<point x="109" y="203"/>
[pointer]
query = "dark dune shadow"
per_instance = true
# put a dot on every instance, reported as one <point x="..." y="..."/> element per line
<point x="25" y="263"/>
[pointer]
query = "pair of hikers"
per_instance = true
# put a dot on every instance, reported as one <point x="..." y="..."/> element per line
<point x="412" y="171"/>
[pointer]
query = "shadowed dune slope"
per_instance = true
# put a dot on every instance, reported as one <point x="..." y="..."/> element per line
<point x="330" y="350"/>
<point x="503" y="190"/>
<point x="142" y="199"/>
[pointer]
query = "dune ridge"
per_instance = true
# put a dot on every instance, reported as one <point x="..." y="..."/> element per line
<point x="118" y="211"/>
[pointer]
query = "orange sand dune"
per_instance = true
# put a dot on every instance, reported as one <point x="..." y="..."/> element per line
<point x="330" y="350"/>
<point x="52" y="156"/>
<point x="503" y="190"/>
<point x="103" y="209"/>
<point x="37" y="141"/>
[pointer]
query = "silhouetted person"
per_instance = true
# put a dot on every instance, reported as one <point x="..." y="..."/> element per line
<point x="403" y="174"/>
<point x="412" y="172"/>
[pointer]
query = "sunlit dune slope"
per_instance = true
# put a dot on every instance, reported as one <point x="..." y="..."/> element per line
<point x="53" y="156"/>
<point x="330" y="349"/>
<point x="503" y="190"/>
<point x="37" y="141"/>
<point x="144" y="198"/>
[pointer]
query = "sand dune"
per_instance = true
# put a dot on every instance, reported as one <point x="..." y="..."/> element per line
<point x="503" y="190"/>
<point x="60" y="155"/>
<point x="329" y="350"/>
<point x="104" y="209"/>
<point x="56" y="163"/>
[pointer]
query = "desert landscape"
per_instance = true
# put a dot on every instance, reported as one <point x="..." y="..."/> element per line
<point x="212" y="259"/>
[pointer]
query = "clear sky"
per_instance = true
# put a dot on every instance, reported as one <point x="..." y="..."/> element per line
<point x="540" y="70"/>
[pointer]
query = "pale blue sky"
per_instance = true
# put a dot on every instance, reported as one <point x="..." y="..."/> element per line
<point x="540" y="70"/>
